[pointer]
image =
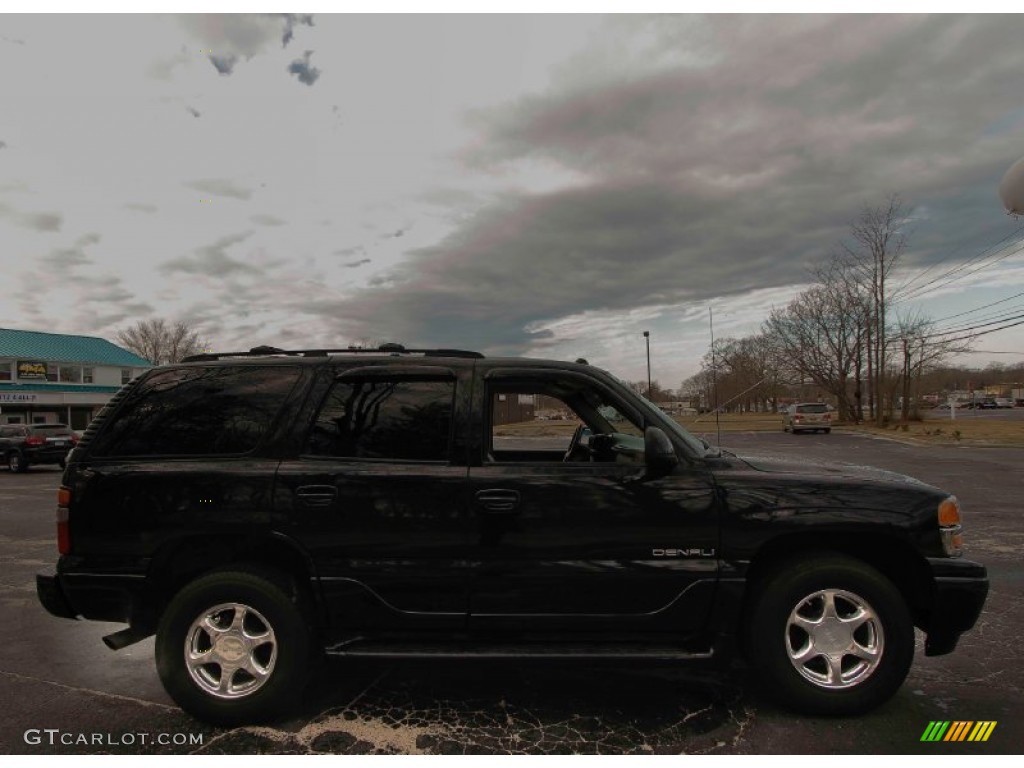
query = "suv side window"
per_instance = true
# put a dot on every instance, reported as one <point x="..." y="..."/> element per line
<point x="199" y="411"/>
<point x="403" y="419"/>
<point x="568" y="420"/>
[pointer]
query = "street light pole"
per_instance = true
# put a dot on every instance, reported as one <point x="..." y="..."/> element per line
<point x="647" y="338"/>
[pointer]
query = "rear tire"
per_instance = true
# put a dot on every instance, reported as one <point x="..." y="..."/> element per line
<point x="16" y="463"/>
<point x="233" y="647"/>
<point x="830" y="635"/>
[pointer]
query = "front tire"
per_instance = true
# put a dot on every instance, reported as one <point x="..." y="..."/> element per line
<point x="830" y="635"/>
<point x="233" y="647"/>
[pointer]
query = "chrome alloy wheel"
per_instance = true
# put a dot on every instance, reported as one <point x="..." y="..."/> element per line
<point x="230" y="651"/>
<point x="834" y="639"/>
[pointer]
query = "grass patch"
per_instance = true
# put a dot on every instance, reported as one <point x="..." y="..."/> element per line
<point x="962" y="431"/>
<point x="733" y="422"/>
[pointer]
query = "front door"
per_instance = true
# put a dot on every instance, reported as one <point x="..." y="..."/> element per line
<point x="571" y="532"/>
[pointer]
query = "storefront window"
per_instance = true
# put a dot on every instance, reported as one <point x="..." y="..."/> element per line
<point x="71" y="373"/>
<point x="126" y="375"/>
<point x="52" y="370"/>
<point x="5" y="370"/>
<point x="87" y="375"/>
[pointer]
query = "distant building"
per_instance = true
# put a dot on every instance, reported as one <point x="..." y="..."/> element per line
<point x="512" y="408"/>
<point x="53" y="377"/>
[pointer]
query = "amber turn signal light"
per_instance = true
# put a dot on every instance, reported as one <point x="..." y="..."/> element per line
<point x="949" y="512"/>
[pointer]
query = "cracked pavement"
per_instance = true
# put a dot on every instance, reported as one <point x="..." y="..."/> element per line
<point x="58" y="675"/>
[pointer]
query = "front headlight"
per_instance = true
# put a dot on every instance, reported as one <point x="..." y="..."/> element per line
<point x="949" y="527"/>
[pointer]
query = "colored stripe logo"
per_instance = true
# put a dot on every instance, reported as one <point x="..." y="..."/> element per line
<point x="958" y="730"/>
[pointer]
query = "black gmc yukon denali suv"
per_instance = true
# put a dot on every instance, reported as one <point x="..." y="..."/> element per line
<point x="259" y="511"/>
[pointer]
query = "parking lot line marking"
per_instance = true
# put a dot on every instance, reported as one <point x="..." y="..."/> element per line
<point x="78" y="689"/>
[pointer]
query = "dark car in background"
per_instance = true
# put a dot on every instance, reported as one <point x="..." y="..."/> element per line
<point x="22" y="445"/>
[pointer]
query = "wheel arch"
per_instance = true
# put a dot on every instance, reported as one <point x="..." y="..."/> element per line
<point x="187" y="559"/>
<point x="894" y="558"/>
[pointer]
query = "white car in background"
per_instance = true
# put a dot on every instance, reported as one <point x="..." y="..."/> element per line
<point x="807" y="417"/>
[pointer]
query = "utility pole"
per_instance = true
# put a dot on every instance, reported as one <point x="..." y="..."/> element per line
<point x="647" y="338"/>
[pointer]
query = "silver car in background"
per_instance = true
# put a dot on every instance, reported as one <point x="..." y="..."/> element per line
<point x="807" y="417"/>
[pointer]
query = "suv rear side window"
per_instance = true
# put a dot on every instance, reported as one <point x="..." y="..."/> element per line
<point x="397" y="419"/>
<point x="197" y="412"/>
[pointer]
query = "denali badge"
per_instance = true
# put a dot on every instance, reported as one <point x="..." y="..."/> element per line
<point x="693" y="552"/>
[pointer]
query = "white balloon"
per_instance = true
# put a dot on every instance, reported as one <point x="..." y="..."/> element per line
<point x="1011" y="188"/>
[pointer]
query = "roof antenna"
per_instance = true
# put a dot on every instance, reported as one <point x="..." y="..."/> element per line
<point x="714" y="378"/>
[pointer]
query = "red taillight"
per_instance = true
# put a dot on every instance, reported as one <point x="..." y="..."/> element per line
<point x="35" y="440"/>
<point x="63" y="529"/>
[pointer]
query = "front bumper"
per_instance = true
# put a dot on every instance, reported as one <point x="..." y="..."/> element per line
<point x="961" y="587"/>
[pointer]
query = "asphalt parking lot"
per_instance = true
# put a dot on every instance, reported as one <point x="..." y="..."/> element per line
<point x="63" y="692"/>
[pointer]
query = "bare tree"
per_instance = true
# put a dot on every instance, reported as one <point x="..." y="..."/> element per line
<point x="817" y="335"/>
<point x="878" y="243"/>
<point x="160" y="342"/>
<point x="921" y="347"/>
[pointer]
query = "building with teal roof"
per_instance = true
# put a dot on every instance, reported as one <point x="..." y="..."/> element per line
<point x="56" y="377"/>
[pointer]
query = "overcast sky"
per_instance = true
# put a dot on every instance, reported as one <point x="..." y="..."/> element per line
<point x="543" y="185"/>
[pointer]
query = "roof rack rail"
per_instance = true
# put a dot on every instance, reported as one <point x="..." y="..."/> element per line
<point x="386" y="349"/>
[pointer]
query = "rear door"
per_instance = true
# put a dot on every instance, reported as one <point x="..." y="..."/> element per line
<point x="377" y="496"/>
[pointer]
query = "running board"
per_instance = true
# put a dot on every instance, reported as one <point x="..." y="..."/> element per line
<point x="363" y="649"/>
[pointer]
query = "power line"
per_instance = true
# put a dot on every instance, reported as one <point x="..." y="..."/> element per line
<point x="986" y="333"/>
<point x="1018" y="318"/>
<point x="954" y="277"/>
<point x="908" y="290"/>
<point x="907" y="285"/>
<point x="983" y="306"/>
<point x="1006" y="314"/>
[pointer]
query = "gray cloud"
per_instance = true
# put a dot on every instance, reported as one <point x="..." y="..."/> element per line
<point x="111" y="294"/>
<point x="42" y="222"/>
<point x="225" y="65"/>
<point x="163" y="69"/>
<point x="144" y="207"/>
<point x="69" y="258"/>
<point x="221" y="187"/>
<point x="717" y="174"/>
<point x="213" y="260"/>
<point x="3" y="145"/>
<point x="290" y="20"/>
<point x="239" y="34"/>
<point x="359" y="263"/>
<point x="267" y="220"/>
<point x="232" y="37"/>
<point x="193" y="111"/>
<point x="351" y="251"/>
<point x="307" y="73"/>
